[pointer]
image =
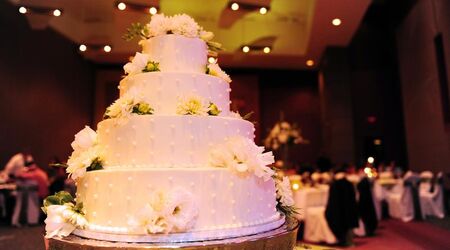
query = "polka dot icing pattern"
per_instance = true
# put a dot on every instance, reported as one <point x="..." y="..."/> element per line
<point x="166" y="141"/>
<point x="211" y="191"/>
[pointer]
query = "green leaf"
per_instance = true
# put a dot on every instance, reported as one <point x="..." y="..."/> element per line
<point x="59" y="165"/>
<point x="213" y="109"/>
<point x="96" y="164"/>
<point x="64" y="197"/>
<point x="79" y="208"/>
<point x="248" y="115"/>
<point x="136" y="30"/>
<point x="151" y="67"/>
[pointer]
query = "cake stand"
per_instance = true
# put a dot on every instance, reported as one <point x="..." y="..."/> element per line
<point x="282" y="238"/>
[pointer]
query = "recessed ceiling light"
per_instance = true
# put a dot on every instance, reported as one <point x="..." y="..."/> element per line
<point x="336" y="22"/>
<point x="153" y="10"/>
<point x="83" y="47"/>
<point x="107" y="48"/>
<point x="266" y="50"/>
<point x="245" y="49"/>
<point x="56" y="12"/>
<point x="235" y="6"/>
<point x="263" y="10"/>
<point x="309" y="63"/>
<point x="121" y="6"/>
<point x="23" y="10"/>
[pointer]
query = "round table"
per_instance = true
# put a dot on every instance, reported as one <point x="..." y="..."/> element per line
<point x="282" y="238"/>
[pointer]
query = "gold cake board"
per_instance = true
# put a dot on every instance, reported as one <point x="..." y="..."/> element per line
<point x="282" y="238"/>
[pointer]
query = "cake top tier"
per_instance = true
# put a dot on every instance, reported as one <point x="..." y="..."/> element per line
<point x="172" y="44"/>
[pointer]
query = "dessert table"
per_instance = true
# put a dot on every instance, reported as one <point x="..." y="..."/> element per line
<point x="282" y="238"/>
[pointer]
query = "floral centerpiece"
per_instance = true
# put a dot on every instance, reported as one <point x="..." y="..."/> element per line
<point x="281" y="136"/>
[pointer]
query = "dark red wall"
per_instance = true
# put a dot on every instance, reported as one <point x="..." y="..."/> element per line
<point x="46" y="90"/>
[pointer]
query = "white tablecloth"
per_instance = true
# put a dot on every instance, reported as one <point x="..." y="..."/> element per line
<point x="310" y="197"/>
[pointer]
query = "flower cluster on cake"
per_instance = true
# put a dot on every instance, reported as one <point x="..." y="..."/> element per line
<point x="170" y="160"/>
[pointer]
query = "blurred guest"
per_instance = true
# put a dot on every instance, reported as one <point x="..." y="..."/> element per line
<point x="366" y="207"/>
<point x="33" y="172"/>
<point x="14" y="166"/>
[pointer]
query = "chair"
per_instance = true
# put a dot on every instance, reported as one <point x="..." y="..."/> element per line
<point x="316" y="225"/>
<point x="432" y="197"/>
<point x="400" y="199"/>
<point x="2" y="205"/>
<point x="26" y="198"/>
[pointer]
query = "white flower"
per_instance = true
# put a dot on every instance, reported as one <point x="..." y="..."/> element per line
<point x="167" y="211"/>
<point x="235" y="115"/>
<point x="159" y="25"/>
<point x="84" y="139"/>
<point x="243" y="156"/>
<point x="184" y="25"/>
<point x="215" y="70"/>
<point x="206" y="35"/>
<point x="79" y="161"/>
<point x="57" y="222"/>
<point x="122" y="108"/>
<point x="182" y="209"/>
<point x="284" y="192"/>
<point x="137" y="65"/>
<point x="193" y="105"/>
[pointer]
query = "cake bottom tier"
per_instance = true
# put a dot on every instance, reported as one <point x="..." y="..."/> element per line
<point x="224" y="201"/>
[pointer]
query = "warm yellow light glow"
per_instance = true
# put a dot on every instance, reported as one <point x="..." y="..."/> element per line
<point x="309" y="63"/>
<point x="121" y="6"/>
<point x="266" y="50"/>
<point x="263" y="10"/>
<point x="83" y="47"/>
<point x="107" y="48"/>
<point x="235" y="6"/>
<point x="377" y="142"/>
<point x="57" y="12"/>
<point x="245" y="49"/>
<point x="23" y="10"/>
<point x="336" y="22"/>
<point x="367" y="170"/>
<point x="153" y="10"/>
<point x="370" y="159"/>
<point x="212" y="60"/>
<point x="295" y="186"/>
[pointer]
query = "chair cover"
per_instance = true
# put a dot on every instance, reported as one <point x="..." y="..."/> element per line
<point x="432" y="197"/>
<point x="316" y="226"/>
<point x="400" y="200"/>
<point x="26" y="198"/>
<point x="366" y="208"/>
<point x="341" y="211"/>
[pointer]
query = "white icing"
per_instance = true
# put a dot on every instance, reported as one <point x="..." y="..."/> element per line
<point x="164" y="93"/>
<point x="213" y="197"/>
<point x="161" y="145"/>
<point x="177" y="53"/>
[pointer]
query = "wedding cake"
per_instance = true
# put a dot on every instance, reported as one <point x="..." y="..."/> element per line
<point x="170" y="161"/>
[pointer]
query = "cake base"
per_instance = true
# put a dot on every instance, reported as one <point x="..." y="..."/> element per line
<point x="282" y="238"/>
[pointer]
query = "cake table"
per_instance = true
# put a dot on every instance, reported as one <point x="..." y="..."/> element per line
<point x="282" y="238"/>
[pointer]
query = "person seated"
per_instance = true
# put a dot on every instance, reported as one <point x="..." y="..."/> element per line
<point x="14" y="166"/>
<point x="34" y="173"/>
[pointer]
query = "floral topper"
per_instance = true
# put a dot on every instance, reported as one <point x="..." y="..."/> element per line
<point x="284" y="133"/>
<point x="63" y="216"/>
<point x="87" y="154"/>
<point x="166" y="211"/>
<point x="183" y="25"/>
<point x="242" y="155"/>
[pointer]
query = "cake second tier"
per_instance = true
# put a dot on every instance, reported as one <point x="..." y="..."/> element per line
<point x="166" y="141"/>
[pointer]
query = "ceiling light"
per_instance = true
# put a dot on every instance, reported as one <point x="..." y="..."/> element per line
<point x="309" y="63"/>
<point x="370" y="160"/>
<point x="153" y="10"/>
<point x="121" y="6"/>
<point x="263" y="10"/>
<point x="212" y="60"/>
<point x="23" y="10"/>
<point x="266" y="50"/>
<point x="235" y="6"/>
<point x="245" y="49"/>
<point x="107" y="48"/>
<point x="336" y="22"/>
<point x="57" y="12"/>
<point x="83" y="48"/>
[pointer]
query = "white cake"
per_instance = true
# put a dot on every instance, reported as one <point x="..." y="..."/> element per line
<point x="170" y="162"/>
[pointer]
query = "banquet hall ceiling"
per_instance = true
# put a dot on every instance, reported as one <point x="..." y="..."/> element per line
<point x="296" y="30"/>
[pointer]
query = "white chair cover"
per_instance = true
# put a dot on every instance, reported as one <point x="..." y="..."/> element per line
<point x="400" y="200"/>
<point x="26" y="194"/>
<point x="432" y="203"/>
<point x="316" y="226"/>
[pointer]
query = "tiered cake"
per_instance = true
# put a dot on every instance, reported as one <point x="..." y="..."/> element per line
<point x="169" y="162"/>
